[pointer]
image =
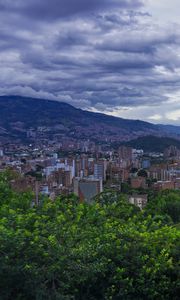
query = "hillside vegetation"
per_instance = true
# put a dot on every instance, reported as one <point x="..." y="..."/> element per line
<point x="153" y="143"/>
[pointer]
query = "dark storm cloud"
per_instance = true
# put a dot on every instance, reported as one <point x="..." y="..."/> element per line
<point x="45" y="9"/>
<point x="98" y="54"/>
<point x="9" y="40"/>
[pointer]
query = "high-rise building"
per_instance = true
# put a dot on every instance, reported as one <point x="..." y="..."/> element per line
<point x="87" y="189"/>
<point x="100" y="169"/>
<point x="1" y="153"/>
<point x="171" y="151"/>
<point x="125" y="152"/>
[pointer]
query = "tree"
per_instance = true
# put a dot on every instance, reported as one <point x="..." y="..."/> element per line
<point x="166" y="202"/>
<point x="142" y="173"/>
<point x="71" y="250"/>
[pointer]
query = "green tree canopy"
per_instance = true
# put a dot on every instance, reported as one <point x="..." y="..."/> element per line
<point x="71" y="250"/>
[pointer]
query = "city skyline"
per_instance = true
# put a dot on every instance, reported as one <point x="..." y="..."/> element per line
<point x="116" y="57"/>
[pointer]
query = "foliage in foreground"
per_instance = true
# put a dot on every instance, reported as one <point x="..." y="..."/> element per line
<point x="66" y="250"/>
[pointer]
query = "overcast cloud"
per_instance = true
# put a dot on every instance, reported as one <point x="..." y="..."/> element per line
<point x="119" y="57"/>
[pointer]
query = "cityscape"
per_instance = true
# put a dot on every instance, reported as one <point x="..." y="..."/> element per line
<point x="87" y="169"/>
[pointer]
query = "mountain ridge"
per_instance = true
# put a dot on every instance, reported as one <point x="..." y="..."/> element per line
<point x="19" y="114"/>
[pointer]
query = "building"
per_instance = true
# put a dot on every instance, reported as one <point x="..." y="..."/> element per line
<point x="145" y="164"/>
<point x="138" y="182"/>
<point x="177" y="183"/>
<point x="99" y="171"/>
<point x="1" y="153"/>
<point x="171" y="151"/>
<point x="86" y="189"/>
<point x="125" y="152"/>
<point x="138" y="200"/>
<point x="164" y="185"/>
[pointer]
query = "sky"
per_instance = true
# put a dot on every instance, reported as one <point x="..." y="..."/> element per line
<point x="119" y="57"/>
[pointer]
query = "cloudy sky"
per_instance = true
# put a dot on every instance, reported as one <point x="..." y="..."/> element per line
<point x="120" y="57"/>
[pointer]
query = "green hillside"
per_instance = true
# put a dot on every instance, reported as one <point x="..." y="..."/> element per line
<point x="153" y="143"/>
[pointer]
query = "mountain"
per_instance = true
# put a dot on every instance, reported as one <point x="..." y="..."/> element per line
<point x="23" y="118"/>
<point x="170" y="129"/>
<point x="153" y="143"/>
